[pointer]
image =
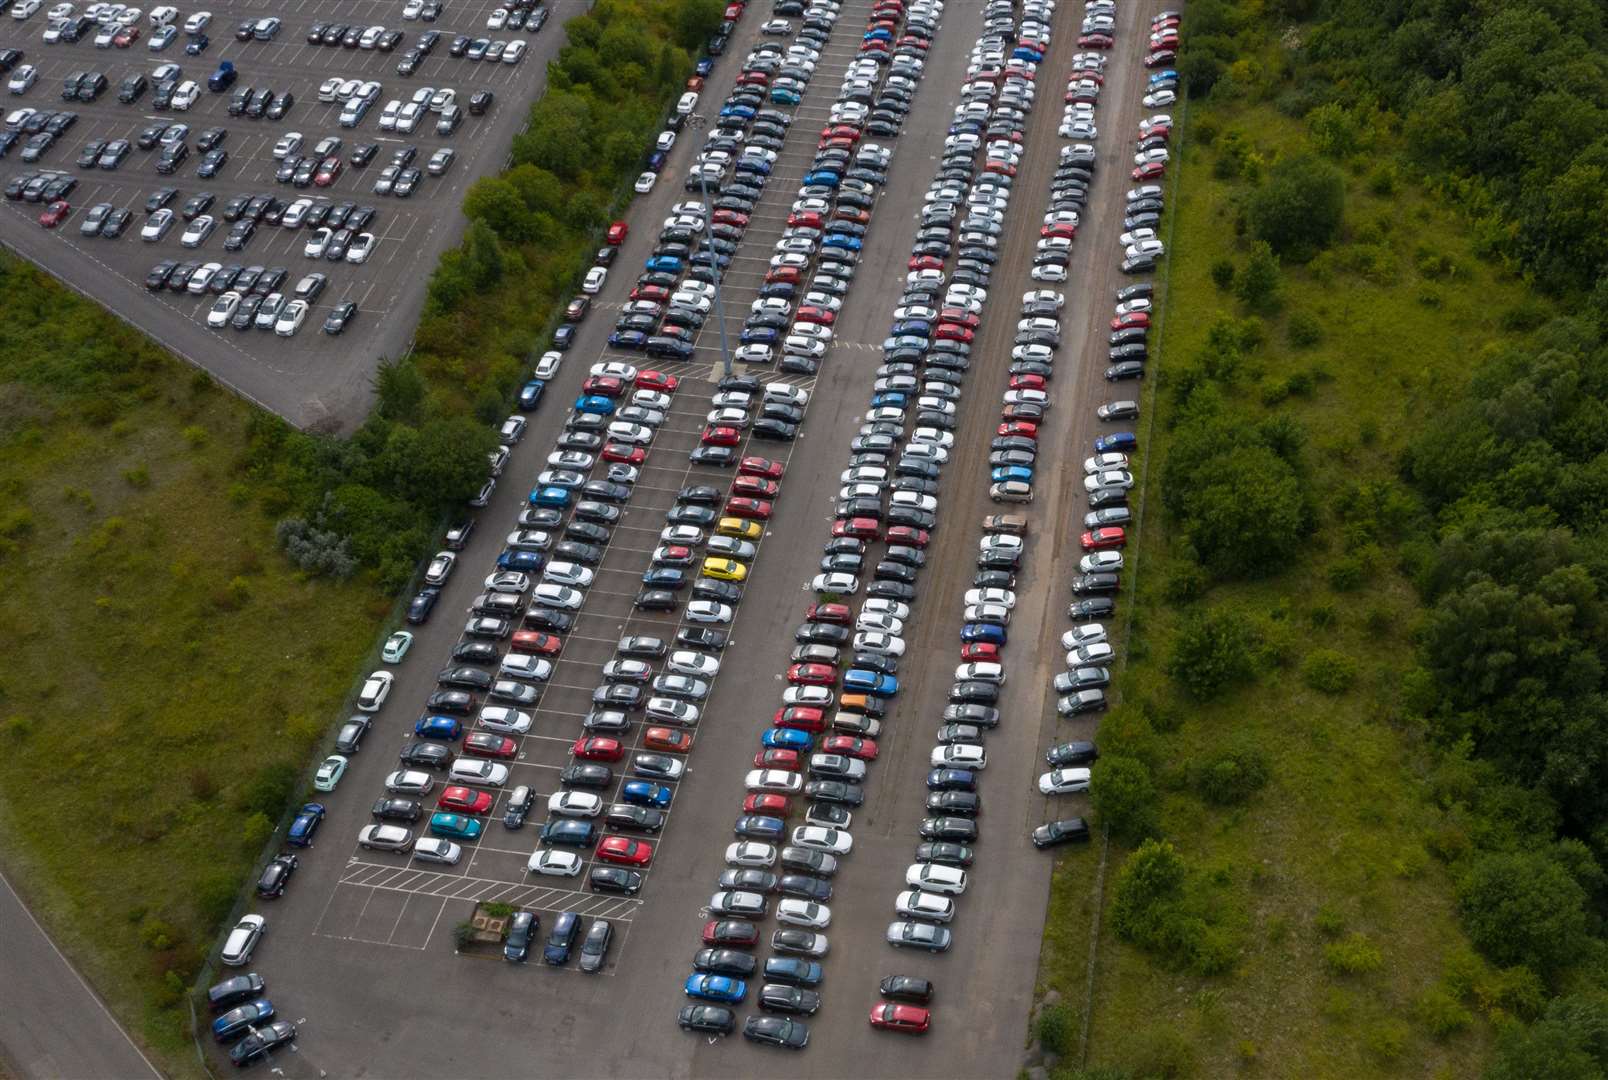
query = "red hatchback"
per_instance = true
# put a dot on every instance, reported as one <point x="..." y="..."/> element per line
<point x="980" y="650"/>
<point x="860" y="528"/>
<point x="657" y="380"/>
<point x="832" y="613"/>
<point x="809" y="219"/>
<point x="954" y="332"/>
<point x="1028" y="381"/>
<point x="1148" y="171"/>
<point x="673" y="555"/>
<point x="758" y="466"/>
<point x="924" y="262"/>
<point x="55" y="214"/>
<point x="909" y="536"/>
<point x="720" y="435"/>
<point x="1018" y="427"/>
<point x="910" y="1019"/>
<point x="1064" y="229"/>
<point x="758" y="509"/>
<point x="487" y="744"/>
<point x="765" y="802"/>
<point x="598" y="748"/>
<point x="465" y="800"/>
<point x="606" y="385"/>
<point x="656" y="293"/>
<point x="534" y="641"/>
<point x="787" y="275"/>
<point x="802" y="717"/>
<point x="851" y="746"/>
<point x="1131" y="319"/>
<point x="1101" y="539"/>
<point x="812" y="675"/>
<point x="730" y="217"/>
<point x="617" y="233"/>
<point x="811" y="314"/>
<point x="629" y="455"/>
<point x="623" y="849"/>
<point x="778" y="759"/>
<point x="755" y="486"/>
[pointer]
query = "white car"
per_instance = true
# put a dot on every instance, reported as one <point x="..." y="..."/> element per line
<point x="1136" y="236"/>
<point x="1113" y="478"/>
<point x="525" y="666"/>
<point x="65" y="11"/>
<point x="967" y="756"/>
<point x="817" y="838"/>
<point x="1154" y="154"/>
<point x="185" y="96"/>
<point x="1158" y="98"/>
<point x="709" y="612"/>
<point x="580" y="804"/>
<point x="877" y="622"/>
<point x="1005" y="598"/>
<point x="688" y="102"/>
<point x="686" y="662"/>
<point x="413" y="9"/>
<point x="874" y="641"/>
<point x="568" y="573"/>
<point x="816" y="697"/>
<point x="157" y="225"/>
<point x="936" y="878"/>
<point x="440" y="568"/>
<point x="196" y="22"/>
<point x="779" y="781"/>
<point x="1079" y="636"/>
<point x="751" y="854"/>
<point x="21" y="79"/>
<point x="196" y="232"/>
<point x="1153" y="249"/>
<point x="436" y="850"/>
<point x="547" y="366"/>
<point x="980" y="671"/>
<point x="552" y="595"/>
<point x="1049" y="273"/>
<point x="242" y="940"/>
<point x="317" y="243"/>
<point x="804" y="913"/>
<point x="384" y="838"/>
<point x="645" y="182"/>
<point x="223" y="309"/>
<point x="504" y="720"/>
<point x="409" y="782"/>
<point x="376" y="688"/>
<point x="554" y="863"/>
<point x="1064" y="782"/>
<point x="1100" y="562"/>
<point x="291" y="318"/>
<point x="22" y="9"/>
<point x="361" y="247"/>
<point x="835" y="583"/>
<point x="595" y="278"/>
<point x="329" y="773"/>
<point x="919" y="904"/>
<point x="478" y="772"/>
<point x="514" y="53"/>
<point x="497" y="19"/>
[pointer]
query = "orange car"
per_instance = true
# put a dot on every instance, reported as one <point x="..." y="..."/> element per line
<point x="663" y="738"/>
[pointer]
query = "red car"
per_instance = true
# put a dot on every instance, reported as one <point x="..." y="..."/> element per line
<point x="126" y="37"/>
<point x="1101" y="539"/>
<point x="658" y="294"/>
<point x="488" y="744"/>
<point x="852" y="213"/>
<point x="1064" y="230"/>
<point x="618" y="231"/>
<point x="807" y="218"/>
<point x="959" y="316"/>
<point x="753" y="78"/>
<point x="534" y="641"/>
<point x="1160" y="58"/>
<point x="673" y="555"/>
<point x="756" y="487"/>
<point x="465" y="800"/>
<point x="811" y="314"/>
<point x="1025" y="428"/>
<point x="952" y="332"/>
<point x="1095" y="41"/>
<point x="1132" y="318"/>
<point x="669" y="739"/>
<point x="909" y="536"/>
<point x="730" y="217"/>
<point x="803" y="717"/>
<point x="980" y="650"/>
<point x="758" y="466"/>
<point x="1148" y="129"/>
<point x="860" y="528"/>
<point x="758" y="509"/>
<point x="829" y="613"/>
<point x="629" y="455"/>
<point x="851" y="746"/>
<point x="731" y="933"/>
<point x="1149" y="170"/>
<point x="695" y="82"/>
<point x="607" y="385"/>
<point x="328" y="170"/>
<point x="576" y="311"/>
<point x="765" y="802"/>
<point x="778" y="759"/>
<point x="841" y="131"/>
<point x="993" y="165"/>
<point x="623" y="849"/>
<point x="924" y="262"/>
<point x="55" y="214"/>
<point x="657" y="380"/>
<point x="812" y="675"/>
<point x="909" y="1019"/>
<point x="720" y="435"/>
<point x="1028" y="382"/>
<point x="598" y="748"/>
<point x="787" y="275"/>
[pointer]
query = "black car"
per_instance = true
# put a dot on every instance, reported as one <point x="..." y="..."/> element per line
<point x="777" y="1031"/>
<point x="614" y="879"/>
<point x="276" y="875"/>
<point x="262" y="1042"/>
<point x="340" y="317"/>
<point x="834" y="791"/>
<point x="775" y="997"/>
<point x="946" y="852"/>
<point x="724" y="962"/>
<point x="429" y="755"/>
<point x="586" y="774"/>
<point x="450" y="701"/>
<point x="906" y="988"/>
<point x="561" y="939"/>
<point x="236" y="991"/>
<point x="710" y="1019"/>
<point x="466" y="678"/>
<point x="420" y="606"/>
<point x="962" y="803"/>
<point x="1067" y="831"/>
<point x="630" y="816"/>
<point x="953" y="829"/>
<point x="805" y="887"/>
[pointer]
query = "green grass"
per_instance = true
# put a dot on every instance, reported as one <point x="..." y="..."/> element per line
<point x="1343" y="919"/>
<point x="160" y="654"/>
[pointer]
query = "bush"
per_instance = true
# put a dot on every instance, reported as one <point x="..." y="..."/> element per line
<point x="1212" y="652"/>
<point x="1223" y="274"/>
<point x="269" y="791"/>
<point x="1523" y="908"/>
<point x="1158" y="908"/>
<point x="1057" y="1028"/>
<point x="255" y="831"/>
<point x="1328" y="671"/>
<point x="1352" y="955"/>
<point x="1231" y="775"/>
<point x="1123" y="795"/>
<point x="1185" y="582"/>
<point x="1298" y="210"/>
<point x="1304" y="330"/>
<point x="1441" y="1013"/>
<point x="1257" y="286"/>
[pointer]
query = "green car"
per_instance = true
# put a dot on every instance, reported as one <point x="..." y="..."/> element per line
<point x="456" y="826"/>
<point x="396" y="647"/>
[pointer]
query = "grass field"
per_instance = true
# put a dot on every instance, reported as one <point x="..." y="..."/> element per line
<point x="1348" y="959"/>
<point x="166" y="672"/>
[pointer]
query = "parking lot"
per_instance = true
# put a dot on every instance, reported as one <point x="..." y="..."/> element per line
<point x="385" y="921"/>
<point x="312" y="378"/>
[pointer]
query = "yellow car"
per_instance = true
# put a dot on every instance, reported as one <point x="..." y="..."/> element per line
<point x="724" y="569"/>
<point x="740" y="528"/>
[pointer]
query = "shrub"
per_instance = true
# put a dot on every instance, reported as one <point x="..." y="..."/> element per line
<point x="463" y="933"/>
<point x="1304" y="330"/>
<point x="269" y="791"/>
<point x="1056" y="1028"/>
<point x="1223" y="274"/>
<point x="255" y="831"/>
<point x="1123" y="795"/>
<point x="1353" y="954"/>
<point x="1441" y="1013"/>
<point x="137" y="476"/>
<point x="196" y="436"/>
<point x="1328" y="671"/>
<point x="1523" y="908"/>
<point x="1185" y="582"/>
<point x="1347" y="574"/>
<point x="1231" y="774"/>
<point x="1257" y="286"/>
<point x="1212" y="652"/>
<point x="1298" y="210"/>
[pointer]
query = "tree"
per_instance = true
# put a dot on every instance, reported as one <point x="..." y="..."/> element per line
<point x="1569" y="1043"/>
<point x="1124" y="797"/>
<point x="401" y="390"/>
<point x="696" y="20"/>
<point x="1257" y="285"/>
<point x="1240" y="501"/>
<point x="1211" y="652"/>
<point x="1332" y="130"/>
<point x="1522" y="907"/>
<point x="482" y="256"/>
<point x="1151" y="878"/>
<point x="1299" y="209"/>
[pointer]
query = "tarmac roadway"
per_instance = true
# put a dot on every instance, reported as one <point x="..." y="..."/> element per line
<point x="369" y="971"/>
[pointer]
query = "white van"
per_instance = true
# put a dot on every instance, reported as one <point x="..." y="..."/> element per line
<point x="162" y="16"/>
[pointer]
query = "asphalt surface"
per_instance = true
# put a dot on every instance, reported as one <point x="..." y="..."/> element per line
<point x="39" y="990"/>
<point x="312" y="379"/>
<point x="360" y="952"/>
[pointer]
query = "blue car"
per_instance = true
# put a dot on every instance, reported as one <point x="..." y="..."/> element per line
<point x="792" y="969"/>
<point x="595" y="403"/>
<point x="525" y="561"/>
<point x="878" y="34"/>
<point x="305" y="824"/>
<point x="704" y="66"/>
<point x="1023" y="473"/>
<point x="784" y="738"/>
<point x="911" y="326"/>
<point x="760" y="827"/>
<point x="563" y="338"/>
<point x="1022" y="52"/>
<point x="866" y="681"/>
<point x="438" y="727"/>
<point x="889" y="397"/>
<point x="665" y="577"/>
<point x="1167" y="75"/>
<point x="646" y="793"/>
<point x="455" y="826"/>
<point x="1119" y="441"/>
<point x="781" y="95"/>
<point x="550" y="496"/>
<point x="237" y="1022"/>
<point x="952" y="780"/>
<point x="994" y="635"/>
<point x="634" y="340"/>
<point x="851" y="243"/>
<point x="760" y="335"/>
<point x="824" y="177"/>
<point x="572" y="832"/>
<point x="530" y="395"/>
<point x="743" y="112"/>
<point x="668" y="264"/>
<point x="720" y="988"/>
<point x="656" y="161"/>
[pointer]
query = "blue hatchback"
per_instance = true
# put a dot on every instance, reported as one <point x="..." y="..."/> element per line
<point x="760" y="827"/>
<point x="455" y="826"/>
<point x="628" y="339"/>
<point x="595" y="403"/>
<point x="825" y="177"/>
<point x="524" y="561"/>
<point x="836" y="240"/>
<point x="705" y="66"/>
<point x="716" y="988"/>
<point x="988" y="632"/>
<point x="646" y="793"/>
<point x="1167" y="75"/>
<point x="530" y="395"/>
<point x="889" y="397"/>
<point x="792" y="969"/>
<point x="866" y="681"/>
<point x="1120" y="441"/>
<point x="665" y="577"/>
<point x="781" y="95"/>
<point x="786" y="739"/>
<point x="668" y="264"/>
<point x="438" y="727"/>
<point x="1000" y="473"/>
<point x="305" y="824"/>
<point x="550" y="496"/>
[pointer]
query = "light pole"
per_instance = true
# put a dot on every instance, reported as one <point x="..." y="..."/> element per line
<point x="697" y="123"/>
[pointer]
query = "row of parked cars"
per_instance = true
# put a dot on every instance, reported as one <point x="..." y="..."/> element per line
<point x="802" y="753"/>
